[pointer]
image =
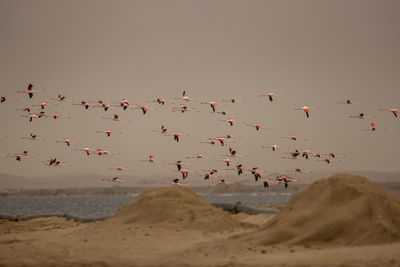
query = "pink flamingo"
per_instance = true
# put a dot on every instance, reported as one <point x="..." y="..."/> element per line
<point x="30" y="90"/>
<point x="394" y="111"/>
<point x="108" y="132"/>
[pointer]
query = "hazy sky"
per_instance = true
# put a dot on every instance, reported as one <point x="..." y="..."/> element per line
<point x="314" y="53"/>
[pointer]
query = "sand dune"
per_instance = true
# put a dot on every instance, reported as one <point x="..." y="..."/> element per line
<point x="343" y="220"/>
<point x="175" y="206"/>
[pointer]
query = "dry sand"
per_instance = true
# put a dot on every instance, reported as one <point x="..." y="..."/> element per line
<point x="338" y="221"/>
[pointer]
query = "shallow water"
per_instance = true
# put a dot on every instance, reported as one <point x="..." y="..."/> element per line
<point x="101" y="206"/>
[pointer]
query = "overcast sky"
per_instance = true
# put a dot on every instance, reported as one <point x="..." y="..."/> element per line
<point x="314" y="53"/>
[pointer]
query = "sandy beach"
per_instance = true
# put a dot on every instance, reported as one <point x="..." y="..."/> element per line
<point x="338" y="221"/>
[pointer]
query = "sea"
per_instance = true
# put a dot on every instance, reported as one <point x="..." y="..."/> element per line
<point x="99" y="206"/>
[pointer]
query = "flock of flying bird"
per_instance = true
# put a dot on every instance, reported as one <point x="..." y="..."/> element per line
<point x="184" y="106"/>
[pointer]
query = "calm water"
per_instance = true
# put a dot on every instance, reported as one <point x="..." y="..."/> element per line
<point x="101" y="206"/>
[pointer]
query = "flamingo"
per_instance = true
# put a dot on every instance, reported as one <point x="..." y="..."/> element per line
<point x="306" y="154"/>
<point x="225" y="113"/>
<point x="306" y="110"/>
<point x="31" y="137"/>
<point x="274" y="147"/>
<point x="212" y="105"/>
<point x="257" y="126"/>
<point x="115" y="179"/>
<point x="144" y="109"/>
<point x="227" y="161"/>
<point x="108" y="132"/>
<point x="120" y="169"/>
<point x="161" y="101"/>
<point x="394" y="111"/>
<point x="284" y="179"/>
<point x="54" y="162"/>
<point x="124" y="103"/>
<point x="257" y="174"/>
<point x="271" y="96"/>
<point x="82" y="103"/>
<point x="163" y="130"/>
<point x="59" y="98"/>
<point x="176" y="182"/>
<point x="5" y="98"/>
<point x="58" y="116"/>
<point x="183" y="108"/>
<point x="197" y="156"/>
<point x="221" y="140"/>
<point x="27" y="109"/>
<point x="266" y="183"/>
<point x="31" y="116"/>
<point x="86" y="149"/>
<point x="294" y="155"/>
<point x="230" y="121"/>
<point x="298" y="170"/>
<point x="101" y="152"/>
<point x="30" y="90"/>
<point x="211" y="142"/>
<point x="349" y="101"/>
<point x="232" y="100"/>
<point x="294" y="138"/>
<point x="102" y="104"/>
<point x="184" y="97"/>
<point x="67" y="142"/>
<point x="374" y="129"/>
<point x="239" y="168"/>
<point x="178" y="164"/>
<point x="116" y="118"/>
<point x="360" y="116"/>
<point x="151" y="159"/>
<point x="177" y="136"/>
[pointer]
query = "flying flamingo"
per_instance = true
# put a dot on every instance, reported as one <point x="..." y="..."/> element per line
<point x="124" y="103"/>
<point x="271" y="96"/>
<point x="27" y="109"/>
<point x="225" y="113"/>
<point x="121" y="169"/>
<point x="273" y="147"/>
<point x="257" y="174"/>
<point x="102" y="104"/>
<point x="294" y="138"/>
<point x="31" y="137"/>
<point x="230" y="121"/>
<point x="179" y="164"/>
<point x="267" y="183"/>
<point x="116" y="118"/>
<point x="60" y="98"/>
<point x="86" y="149"/>
<point x="394" y="111"/>
<point x="232" y="100"/>
<point x="177" y="136"/>
<point x="284" y="179"/>
<point x="31" y="116"/>
<point x="349" y="101"/>
<point x="82" y="103"/>
<point x="211" y="142"/>
<point x="67" y="142"/>
<point x="115" y="179"/>
<point x="306" y="154"/>
<point x="108" y="132"/>
<point x="360" y="116"/>
<point x="161" y="101"/>
<point x="306" y="110"/>
<point x="163" y="130"/>
<point x="54" y="162"/>
<point x="239" y="169"/>
<point x="298" y="170"/>
<point x="257" y="126"/>
<point x="101" y="152"/>
<point x="374" y="129"/>
<point x="183" y="108"/>
<point x="197" y="156"/>
<point x="5" y="98"/>
<point x="58" y="116"/>
<point x="212" y="105"/>
<point x="176" y="182"/>
<point x="30" y="90"/>
<point x="151" y="159"/>
<point x="184" y="97"/>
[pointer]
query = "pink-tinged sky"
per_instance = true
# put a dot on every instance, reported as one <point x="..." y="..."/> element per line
<point x="314" y="53"/>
